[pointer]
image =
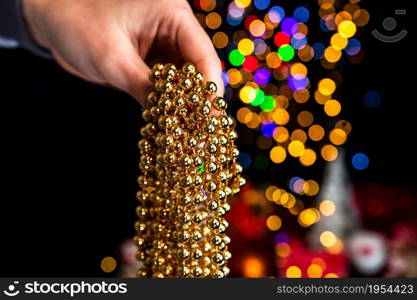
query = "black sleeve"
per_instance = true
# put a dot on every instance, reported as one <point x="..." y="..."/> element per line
<point x="13" y="27"/>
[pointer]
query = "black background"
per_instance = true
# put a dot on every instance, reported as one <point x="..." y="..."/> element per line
<point x="69" y="157"/>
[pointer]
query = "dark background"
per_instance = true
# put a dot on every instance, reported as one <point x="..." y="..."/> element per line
<point x="69" y="156"/>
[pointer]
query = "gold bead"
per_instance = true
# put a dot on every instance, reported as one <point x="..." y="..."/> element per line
<point x="188" y="68"/>
<point x="186" y="83"/>
<point x="219" y="103"/>
<point x="210" y="88"/>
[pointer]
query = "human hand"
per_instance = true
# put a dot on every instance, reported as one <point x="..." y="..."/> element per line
<point x="112" y="42"/>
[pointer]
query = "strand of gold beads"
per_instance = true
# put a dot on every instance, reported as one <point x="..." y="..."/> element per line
<point x="189" y="169"/>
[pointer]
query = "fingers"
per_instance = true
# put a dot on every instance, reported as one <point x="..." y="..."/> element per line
<point x="196" y="47"/>
<point x="125" y="70"/>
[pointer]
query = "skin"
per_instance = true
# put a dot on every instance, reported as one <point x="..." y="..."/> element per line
<point x="113" y="42"/>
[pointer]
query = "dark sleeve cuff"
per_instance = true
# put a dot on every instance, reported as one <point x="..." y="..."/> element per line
<point x="13" y="26"/>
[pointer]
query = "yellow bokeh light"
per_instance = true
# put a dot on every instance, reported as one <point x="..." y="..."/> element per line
<point x="338" y="41"/>
<point x="346" y="28"/>
<point x="320" y="98"/>
<point x="338" y="136"/>
<point x="255" y="121"/>
<point x="305" y="118"/>
<point x="327" y="86"/>
<point x="253" y="267"/>
<point x="257" y="28"/>
<point x="244" y="115"/>
<point x="293" y="272"/>
<point x="301" y="96"/>
<point x="344" y="125"/>
<point x="328" y="238"/>
<point x="242" y="3"/>
<point x="283" y="250"/>
<point x="308" y="157"/>
<point x="299" y="135"/>
<point x="108" y="264"/>
<point x="247" y="94"/>
<point x="336" y="248"/>
<point x="311" y="187"/>
<point x="331" y="275"/>
<point x="220" y="40"/>
<point x="329" y="152"/>
<point x="281" y="134"/>
<point x="332" y="54"/>
<point x="272" y="60"/>
<point x="327" y="208"/>
<point x="332" y="107"/>
<point x="213" y="20"/>
<point x="270" y="191"/>
<point x="316" y="132"/>
<point x="295" y="148"/>
<point x="280" y="116"/>
<point x="298" y="69"/>
<point x="308" y="217"/>
<point x="314" y="271"/>
<point x="319" y="261"/>
<point x="278" y="154"/>
<point x="276" y="196"/>
<point x="273" y="223"/>
<point x="246" y="46"/>
<point x="235" y="77"/>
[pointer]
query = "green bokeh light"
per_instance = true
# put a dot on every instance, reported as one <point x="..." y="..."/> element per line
<point x="268" y="104"/>
<point x="259" y="99"/>
<point x="286" y="52"/>
<point x="236" y="58"/>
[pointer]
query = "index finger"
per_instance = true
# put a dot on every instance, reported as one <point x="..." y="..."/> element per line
<point x="197" y="48"/>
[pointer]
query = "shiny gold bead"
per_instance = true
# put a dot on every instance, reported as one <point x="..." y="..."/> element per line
<point x="212" y="148"/>
<point x="210" y="88"/>
<point x="158" y="66"/>
<point x="198" y="77"/>
<point x="212" y="167"/>
<point x="183" y="236"/>
<point x="177" y="131"/>
<point x="221" y="194"/>
<point x="186" y="181"/>
<point x="191" y="141"/>
<point x="224" y="121"/>
<point x="214" y="223"/>
<point x="235" y="152"/>
<point x="219" y="103"/>
<point x="216" y="240"/>
<point x="197" y="254"/>
<point x="196" y="236"/>
<point x="152" y="98"/>
<point x="198" y="217"/>
<point x="199" y="198"/>
<point x="218" y="258"/>
<point x="186" y="83"/>
<point x="194" y="99"/>
<point x="188" y="68"/>
<point x="213" y="205"/>
<point x="164" y="86"/>
<point x="185" y="160"/>
<point x="204" y="110"/>
<point x="155" y="75"/>
<point x="146" y="115"/>
<point x="198" y="180"/>
<point x="211" y="186"/>
<point x="185" y="199"/>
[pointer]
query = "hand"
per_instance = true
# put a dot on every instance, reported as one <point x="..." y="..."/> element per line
<point x="112" y="42"/>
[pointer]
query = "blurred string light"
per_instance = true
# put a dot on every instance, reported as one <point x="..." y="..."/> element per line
<point x="266" y="54"/>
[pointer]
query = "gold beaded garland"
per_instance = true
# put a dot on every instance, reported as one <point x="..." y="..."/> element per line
<point x="188" y="165"/>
